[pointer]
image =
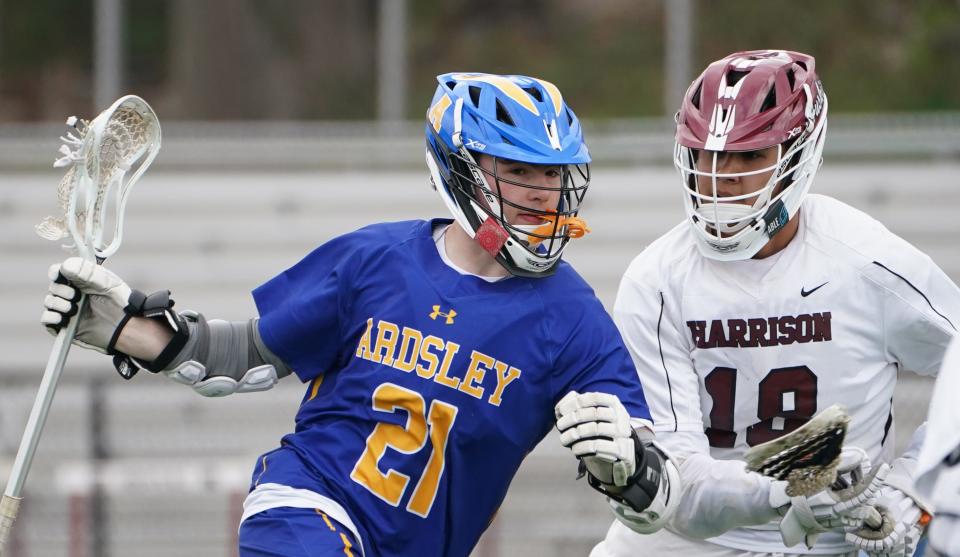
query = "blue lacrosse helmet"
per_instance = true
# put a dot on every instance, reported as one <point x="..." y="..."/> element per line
<point x="508" y="118"/>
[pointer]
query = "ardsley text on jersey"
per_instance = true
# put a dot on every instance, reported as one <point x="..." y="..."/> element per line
<point x="432" y="358"/>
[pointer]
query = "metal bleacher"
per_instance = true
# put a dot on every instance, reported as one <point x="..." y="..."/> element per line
<point x="171" y="465"/>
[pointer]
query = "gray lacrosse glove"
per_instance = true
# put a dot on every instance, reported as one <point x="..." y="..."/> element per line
<point x="103" y="315"/>
<point x="110" y="305"/>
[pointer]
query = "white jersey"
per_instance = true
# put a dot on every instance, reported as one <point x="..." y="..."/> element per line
<point x="733" y="354"/>
<point x="938" y="467"/>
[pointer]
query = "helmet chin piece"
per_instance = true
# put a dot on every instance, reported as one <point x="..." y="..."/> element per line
<point x="726" y="218"/>
<point x="748" y="241"/>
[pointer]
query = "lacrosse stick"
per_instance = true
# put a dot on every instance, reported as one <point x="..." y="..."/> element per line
<point x="105" y="158"/>
<point x="807" y="458"/>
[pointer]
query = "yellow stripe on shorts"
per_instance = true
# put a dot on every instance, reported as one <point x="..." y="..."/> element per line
<point x="343" y="537"/>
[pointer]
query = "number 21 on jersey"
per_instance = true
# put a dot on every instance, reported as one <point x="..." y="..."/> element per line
<point x="408" y="439"/>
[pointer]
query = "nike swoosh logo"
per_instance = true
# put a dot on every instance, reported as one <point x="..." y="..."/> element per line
<point x="806" y="293"/>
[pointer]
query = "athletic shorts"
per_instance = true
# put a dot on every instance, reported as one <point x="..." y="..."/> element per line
<point x="292" y="532"/>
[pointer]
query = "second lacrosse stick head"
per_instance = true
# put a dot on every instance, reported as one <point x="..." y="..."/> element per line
<point x="806" y="458"/>
<point x="105" y="158"/>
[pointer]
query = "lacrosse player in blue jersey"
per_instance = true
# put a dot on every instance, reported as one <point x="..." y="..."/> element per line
<point x="436" y="354"/>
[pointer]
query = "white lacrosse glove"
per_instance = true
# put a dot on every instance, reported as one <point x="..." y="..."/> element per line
<point x="640" y="480"/>
<point x="596" y="427"/>
<point x="103" y="314"/>
<point x="843" y="504"/>
<point x="904" y="517"/>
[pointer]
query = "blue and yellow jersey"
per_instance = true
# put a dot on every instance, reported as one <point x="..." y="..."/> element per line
<point x="427" y="388"/>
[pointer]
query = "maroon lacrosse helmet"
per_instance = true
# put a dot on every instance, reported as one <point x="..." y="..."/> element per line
<point x="750" y="101"/>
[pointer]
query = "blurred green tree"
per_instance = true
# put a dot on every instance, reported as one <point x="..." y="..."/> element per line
<point x="302" y="59"/>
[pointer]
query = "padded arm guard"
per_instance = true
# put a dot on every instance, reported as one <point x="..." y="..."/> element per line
<point x="224" y="357"/>
<point x="216" y="358"/>
<point x="651" y="496"/>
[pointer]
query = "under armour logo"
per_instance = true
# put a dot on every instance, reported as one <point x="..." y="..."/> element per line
<point x="448" y="315"/>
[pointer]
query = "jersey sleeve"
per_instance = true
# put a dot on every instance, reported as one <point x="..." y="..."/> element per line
<point x="718" y="495"/>
<point x="921" y="309"/>
<point x="301" y="308"/>
<point x="593" y="359"/>
<point x="659" y="353"/>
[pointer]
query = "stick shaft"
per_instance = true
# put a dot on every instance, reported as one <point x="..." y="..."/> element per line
<point x="9" y="505"/>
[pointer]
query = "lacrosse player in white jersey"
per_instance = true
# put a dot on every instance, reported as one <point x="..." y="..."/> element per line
<point x="938" y="466"/>
<point x="766" y="306"/>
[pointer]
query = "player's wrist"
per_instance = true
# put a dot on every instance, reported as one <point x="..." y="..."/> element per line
<point x="777" y="495"/>
<point x="652" y="495"/>
<point x="641" y="488"/>
<point x="143" y="338"/>
<point x="150" y="335"/>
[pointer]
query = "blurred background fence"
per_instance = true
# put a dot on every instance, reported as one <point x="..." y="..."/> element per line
<point x="288" y="123"/>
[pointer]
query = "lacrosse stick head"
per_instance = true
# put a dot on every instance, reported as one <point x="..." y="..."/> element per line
<point x="806" y="458"/>
<point x="104" y="159"/>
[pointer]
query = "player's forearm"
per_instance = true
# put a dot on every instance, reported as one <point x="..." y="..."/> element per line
<point x="215" y="357"/>
<point x="144" y="339"/>
<point x="719" y="495"/>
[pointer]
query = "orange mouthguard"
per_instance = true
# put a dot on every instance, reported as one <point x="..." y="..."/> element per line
<point x="576" y="228"/>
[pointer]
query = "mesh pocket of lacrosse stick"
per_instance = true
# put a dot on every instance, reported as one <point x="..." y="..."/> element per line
<point x="806" y="458"/>
<point x="105" y="157"/>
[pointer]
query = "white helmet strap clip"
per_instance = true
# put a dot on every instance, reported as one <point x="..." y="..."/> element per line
<point x="808" y="109"/>
<point x="457" y="136"/>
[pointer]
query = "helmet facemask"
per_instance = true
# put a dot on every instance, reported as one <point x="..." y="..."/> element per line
<point x="525" y="249"/>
